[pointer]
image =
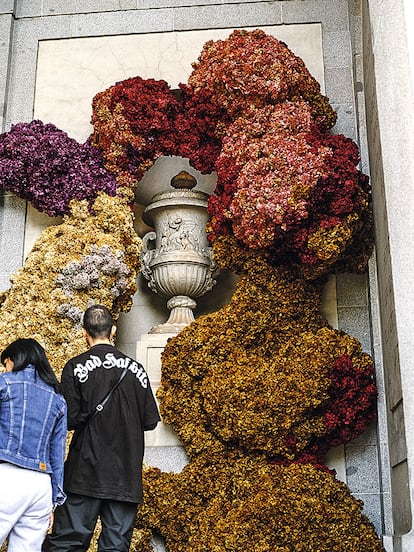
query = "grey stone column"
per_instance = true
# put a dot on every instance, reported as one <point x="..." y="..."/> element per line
<point x="6" y="28"/>
<point x="390" y="123"/>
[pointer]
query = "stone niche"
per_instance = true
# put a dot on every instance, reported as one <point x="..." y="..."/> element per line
<point x="69" y="73"/>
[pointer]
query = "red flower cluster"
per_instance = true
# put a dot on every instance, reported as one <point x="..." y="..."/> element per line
<point x="353" y="400"/>
<point x="252" y="112"/>
<point x="352" y="406"/>
<point x="207" y="122"/>
<point x="137" y="120"/>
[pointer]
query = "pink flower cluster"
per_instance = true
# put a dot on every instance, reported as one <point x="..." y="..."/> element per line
<point x="253" y="69"/>
<point x="281" y="178"/>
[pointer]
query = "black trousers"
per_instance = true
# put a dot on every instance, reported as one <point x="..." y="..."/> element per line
<point x="75" y="523"/>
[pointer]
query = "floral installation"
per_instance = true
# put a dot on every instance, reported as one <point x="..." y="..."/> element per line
<point x="266" y="376"/>
<point x="42" y="164"/>
<point x="44" y="302"/>
<point x="232" y="502"/>
<point x="260" y="390"/>
<point x="252" y="112"/>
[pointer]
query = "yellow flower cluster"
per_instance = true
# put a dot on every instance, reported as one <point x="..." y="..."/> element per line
<point x="236" y="503"/>
<point x="30" y="307"/>
<point x="328" y="243"/>
<point x="254" y="374"/>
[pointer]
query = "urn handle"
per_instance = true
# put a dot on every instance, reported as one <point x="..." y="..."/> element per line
<point x="146" y="241"/>
<point x="147" y="254"/>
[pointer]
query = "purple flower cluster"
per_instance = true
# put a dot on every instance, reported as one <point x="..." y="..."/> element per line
<point x="87" y="273"/>
<point x="42" y="164"/>
<point x="74" y="314"/>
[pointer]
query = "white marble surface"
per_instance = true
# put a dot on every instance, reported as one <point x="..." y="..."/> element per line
<point x="148" y="353"/>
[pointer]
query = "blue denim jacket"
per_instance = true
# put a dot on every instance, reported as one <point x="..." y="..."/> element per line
<point x="33" y="426"/>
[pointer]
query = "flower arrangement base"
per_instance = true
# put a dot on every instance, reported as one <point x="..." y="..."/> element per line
<point x="229" y="502"/>
<point x="257" y="393"/>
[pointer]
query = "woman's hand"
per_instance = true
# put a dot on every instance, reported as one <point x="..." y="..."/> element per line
<point x="51" y="520"/>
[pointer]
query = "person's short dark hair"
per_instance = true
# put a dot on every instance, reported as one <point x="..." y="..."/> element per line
<point x="28" y="351"/>
<point x="98" y="322"/>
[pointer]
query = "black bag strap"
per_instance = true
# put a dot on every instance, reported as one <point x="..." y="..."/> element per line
<point x="99" y="407"/>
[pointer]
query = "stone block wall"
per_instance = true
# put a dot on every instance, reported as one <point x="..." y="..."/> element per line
<point x="388" y="69"/>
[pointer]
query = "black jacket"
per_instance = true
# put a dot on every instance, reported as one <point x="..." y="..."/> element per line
<point x="105" y="460"/>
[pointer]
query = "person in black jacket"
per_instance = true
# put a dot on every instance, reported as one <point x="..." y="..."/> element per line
<point x="103" y="471"/>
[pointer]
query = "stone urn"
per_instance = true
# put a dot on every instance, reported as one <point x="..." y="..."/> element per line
<point x="176" y="257"/>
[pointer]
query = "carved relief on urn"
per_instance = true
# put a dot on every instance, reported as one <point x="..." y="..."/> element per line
<point x="176" y="258"/>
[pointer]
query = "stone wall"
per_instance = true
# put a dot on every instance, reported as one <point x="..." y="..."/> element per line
<point x="26" y="25"/>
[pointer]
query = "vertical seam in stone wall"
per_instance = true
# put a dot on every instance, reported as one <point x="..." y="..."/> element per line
<point x="7" y="73"/>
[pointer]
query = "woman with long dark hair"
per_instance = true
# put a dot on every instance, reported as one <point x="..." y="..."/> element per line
<point x="32" y="445"/>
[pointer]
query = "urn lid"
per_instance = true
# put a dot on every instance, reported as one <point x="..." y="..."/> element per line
<point x="157" y="179"/>
<point x="183" y="181"/>
<point x="183" y="196"/>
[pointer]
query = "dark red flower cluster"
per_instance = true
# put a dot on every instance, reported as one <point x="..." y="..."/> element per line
<point x="207" y="121"/>
<point x="138" y="120"/>
<point x="135" y="122"/>
<point x="339" y="201"/>
<point x="353" y="400"/>
<point x="351" y="408"/>
<point x="344" y="189"/>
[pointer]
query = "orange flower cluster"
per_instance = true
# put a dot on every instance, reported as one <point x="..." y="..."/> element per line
<point x="232" y="503"/>
<point x="257" y="393"/>
<point x="253" y="69"/>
